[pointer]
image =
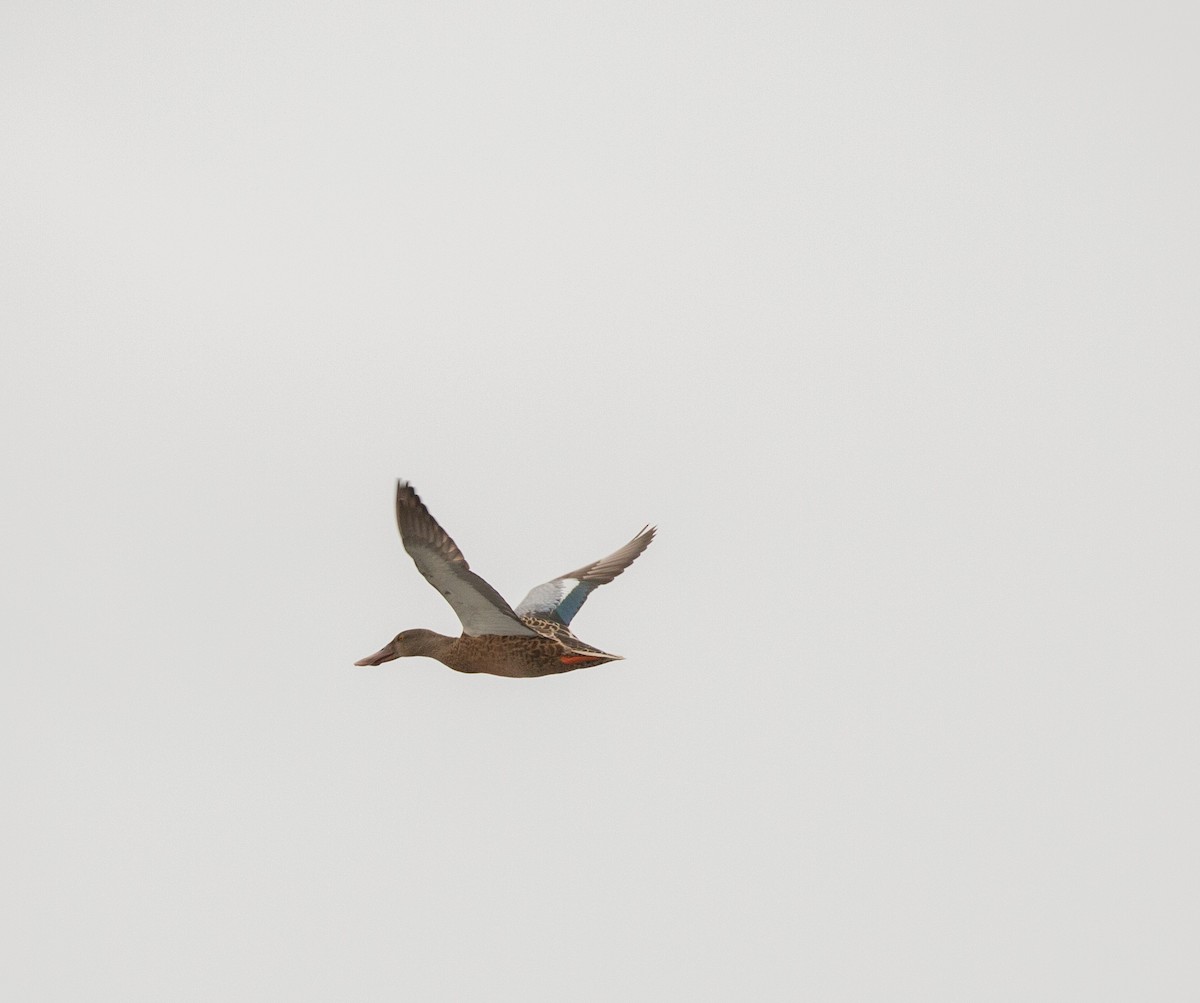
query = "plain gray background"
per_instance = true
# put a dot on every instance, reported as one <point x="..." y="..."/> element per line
<point x="885" y="313"/>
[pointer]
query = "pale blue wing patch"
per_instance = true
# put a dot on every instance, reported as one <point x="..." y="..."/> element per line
<point x="544" y="599"/>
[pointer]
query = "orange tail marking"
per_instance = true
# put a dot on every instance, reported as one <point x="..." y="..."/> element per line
<point x="576" y="659"/>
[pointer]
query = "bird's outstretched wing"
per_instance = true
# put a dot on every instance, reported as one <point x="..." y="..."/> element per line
<point x="480" y="607"/>
<point x="560" y="598"/>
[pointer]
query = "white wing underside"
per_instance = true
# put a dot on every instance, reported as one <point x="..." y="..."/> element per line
<point x="480" y="608"/>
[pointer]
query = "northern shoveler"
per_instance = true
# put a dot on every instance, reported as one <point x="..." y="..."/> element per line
<point x="535" y="639"/>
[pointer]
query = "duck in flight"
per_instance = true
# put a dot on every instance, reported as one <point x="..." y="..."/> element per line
<point x="535" y="639"/>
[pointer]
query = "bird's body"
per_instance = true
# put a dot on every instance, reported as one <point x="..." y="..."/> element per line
<point x="535" y="639"/>
<point x="502" y="655"/>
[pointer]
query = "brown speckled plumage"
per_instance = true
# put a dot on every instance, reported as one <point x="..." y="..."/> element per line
<point x="518" y="656"/>
<point x="534" y="640"/>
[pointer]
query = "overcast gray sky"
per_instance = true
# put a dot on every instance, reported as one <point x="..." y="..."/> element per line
<point x="886" y="314"/>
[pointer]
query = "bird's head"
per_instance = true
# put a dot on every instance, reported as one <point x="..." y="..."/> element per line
<point x="407" y="642"/>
